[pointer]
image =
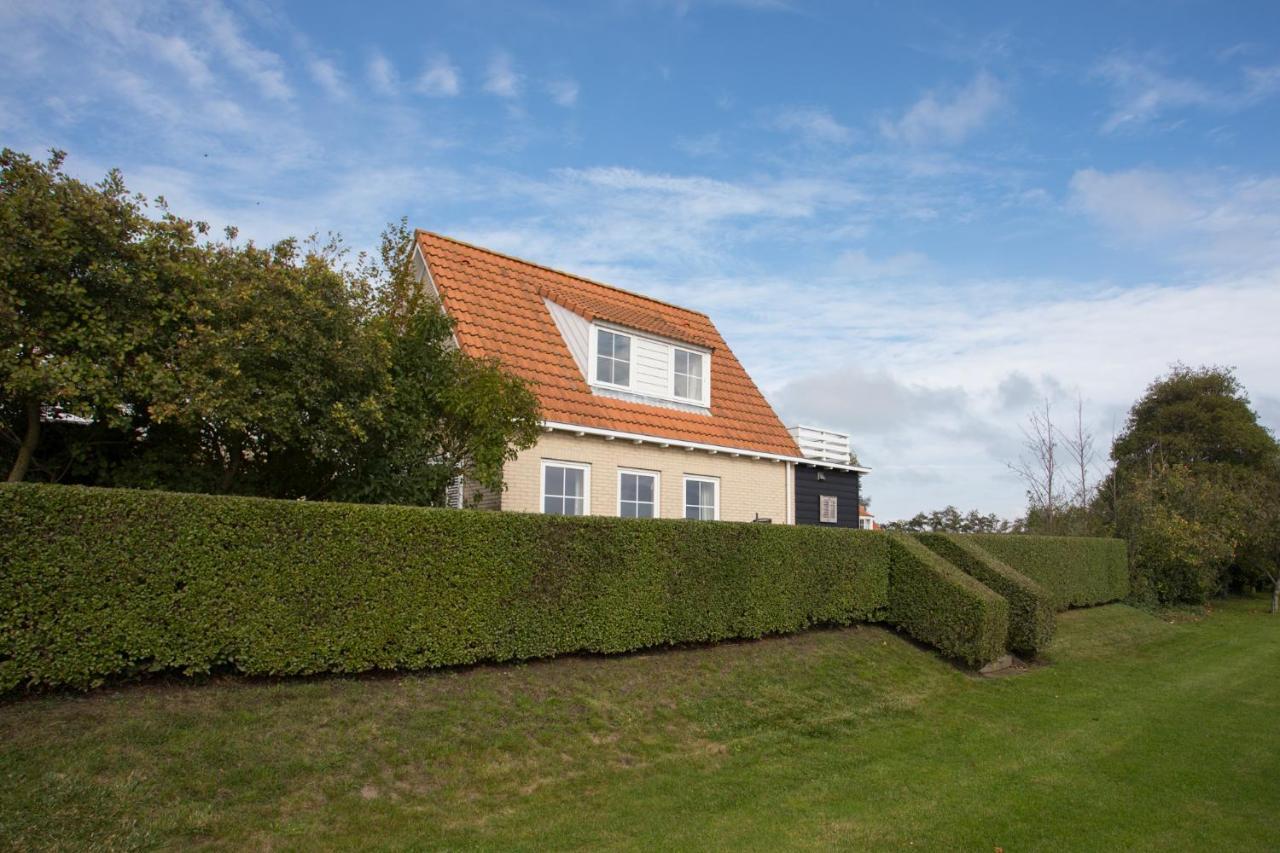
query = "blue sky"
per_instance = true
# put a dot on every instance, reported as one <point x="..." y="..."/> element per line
<point x="912" y="221"/>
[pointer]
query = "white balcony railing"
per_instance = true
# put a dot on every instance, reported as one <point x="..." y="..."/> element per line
<point x="822" y="445"/>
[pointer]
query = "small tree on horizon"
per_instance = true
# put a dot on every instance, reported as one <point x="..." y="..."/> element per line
<point x="1039" y="463"/>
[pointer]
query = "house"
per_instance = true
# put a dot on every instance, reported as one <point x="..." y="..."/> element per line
<point x="646" y="411"/>
<point x="826" y="481"/>
<point x="866" y="520"/>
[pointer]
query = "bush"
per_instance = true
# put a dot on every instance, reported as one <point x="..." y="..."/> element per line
<point x="100" y="583"/>
<point x="938" y="604"/>
<point x="1077" y="571"/>
<point x="1031" y="612"/>
<point x="1177" y="560"/>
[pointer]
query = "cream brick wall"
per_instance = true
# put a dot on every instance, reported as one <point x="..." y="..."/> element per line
<point x="747" y="486"/>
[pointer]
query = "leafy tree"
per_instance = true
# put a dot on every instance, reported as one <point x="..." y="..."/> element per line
<point x="1183" y="531"/>
<point x="1188" y="488"/>
<point x="1258" y="559"/>
<point x="281" y="375"/>
<point x="89" y="289"/>
<point x="1193" y="416"/>
<point x="282" y="371"/>
<point x="445" y="414"/>
<point x="951" y="520"/>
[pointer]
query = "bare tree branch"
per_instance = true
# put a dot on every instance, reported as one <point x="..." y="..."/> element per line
<point x="1039" y="462"/>
<point x="1081" y="452"/>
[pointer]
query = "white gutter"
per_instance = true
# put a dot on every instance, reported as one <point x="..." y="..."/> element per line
<point x="637" y="438"/>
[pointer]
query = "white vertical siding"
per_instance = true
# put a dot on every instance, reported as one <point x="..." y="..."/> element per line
<point x="423" y="273"/>
<point x="651" y="361"/>
<point x="651" y="366"/>
<point x="576" y="332"/>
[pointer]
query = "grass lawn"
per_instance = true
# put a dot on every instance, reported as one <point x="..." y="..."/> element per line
<point x="1140" y="734"/>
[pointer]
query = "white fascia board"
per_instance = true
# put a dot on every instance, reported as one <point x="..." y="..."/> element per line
<point x="693" y="445"/>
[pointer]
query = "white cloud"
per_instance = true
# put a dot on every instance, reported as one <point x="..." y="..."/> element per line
<point x="936" y="412"/>
<point x="440" y="79"/>
<point x="261" y="67"/>
<point x="382" y="74"/>
<point x="813" y="125"/>
<point x="327" y="75"/>
<point x="1227" y="221"/>
<point x="502" y="79"/>
<point x="179" y="53"/>
<point x="1144" y="94"/>
<point x="938" y="119"/>
<point x="564" y="91"/>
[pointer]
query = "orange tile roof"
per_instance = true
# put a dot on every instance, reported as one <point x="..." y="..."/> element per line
<point x="496" y="303"/>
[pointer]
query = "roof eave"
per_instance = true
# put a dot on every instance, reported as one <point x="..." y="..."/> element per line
<point x="642" y="438"/>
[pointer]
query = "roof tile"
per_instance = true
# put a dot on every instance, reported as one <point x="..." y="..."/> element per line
<point x="497" y="305"/>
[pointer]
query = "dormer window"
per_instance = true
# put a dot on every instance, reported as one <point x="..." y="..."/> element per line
<point x="613" y="358"/>
<point x="636" y="365"/>
<point x="687" y="373"/>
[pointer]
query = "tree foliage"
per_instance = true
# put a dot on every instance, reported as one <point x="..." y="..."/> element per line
<point x="1193" y="416"/>
<point x="199" y="365"/>
<point x="952" y="520"/>
<point x="1192" y="489"/>
<point x="91" y="293"/>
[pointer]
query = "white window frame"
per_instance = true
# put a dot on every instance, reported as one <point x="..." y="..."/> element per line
<point x="560" y="463"/>
<point x="684" y="493"/>
<point x="596" y="329"/>
<point x="835" y="509"/>
<point x="667" y="392"/>
<point x="705" y="399"/>
<point x="657" y="488"/>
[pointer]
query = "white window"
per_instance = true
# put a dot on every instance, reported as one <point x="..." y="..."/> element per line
<point x="687" y="369"/>
<point x="702" y="498"/>
<point x="565" y="487"/>
<point x="638" y="494"/>
<point x="827" y="513"/>
<point x="613" y="358"/>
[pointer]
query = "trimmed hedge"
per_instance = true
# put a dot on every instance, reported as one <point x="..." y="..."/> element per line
<point x="1077" y="571"/>
<point x="1031" y="611"/>
<point x="938" y="604"/>
<point x="99" y="584"/>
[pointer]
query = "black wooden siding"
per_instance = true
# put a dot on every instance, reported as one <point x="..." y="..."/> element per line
<point x="812" y="483"/>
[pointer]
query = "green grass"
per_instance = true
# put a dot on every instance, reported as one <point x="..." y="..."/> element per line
<point x="1138" y="734"/>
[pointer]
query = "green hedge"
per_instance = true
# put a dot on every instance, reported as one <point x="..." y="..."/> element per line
<point x="98" y="584"/>
<point x="1077" y="571"/>
<point x="1031" y="611"/>
<point x="938" y="604"/>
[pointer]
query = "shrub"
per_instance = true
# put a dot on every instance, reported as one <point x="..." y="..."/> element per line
<point x="938" y="604"/>
<point x="1076" y="570"/>
<point x="1031" y="612"/>
<point x="100" y="583"/>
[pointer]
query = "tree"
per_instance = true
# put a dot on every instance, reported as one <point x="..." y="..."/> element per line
<point x="1081" y="453"/>
<point x="951" y="520"/>
<point x="1038" y="465"/>
<point x="1183" y="530"/>
<point x="444" y="414"/>
<point x="1188" y="490"/>
<point x="1258" y="562"/>
<point x="1192" y="416"/>
<point x="281" y="376"/>
<point x="281" y="371"/>
<point x="88" y="290"/>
